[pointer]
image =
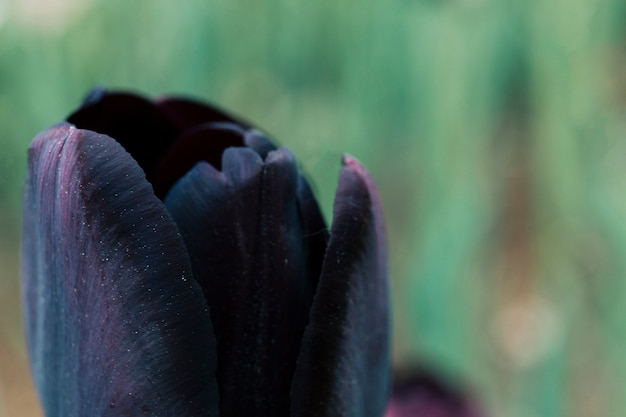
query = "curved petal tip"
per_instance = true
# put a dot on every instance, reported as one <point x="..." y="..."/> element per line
<point x="343" y="368"/>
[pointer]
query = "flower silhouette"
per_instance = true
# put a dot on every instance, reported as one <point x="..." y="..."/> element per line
<point x="176" y="263"/>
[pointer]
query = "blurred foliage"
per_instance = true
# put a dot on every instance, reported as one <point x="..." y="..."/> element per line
<point x="495" y="130"/>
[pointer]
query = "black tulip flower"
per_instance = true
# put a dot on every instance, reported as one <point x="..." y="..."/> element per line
<point x="176" y="263"/>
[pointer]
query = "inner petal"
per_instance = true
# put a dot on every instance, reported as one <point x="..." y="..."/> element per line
<point x="245" y="234"/>
<point x="134" y="122"/>
<point x="206" y="142"/>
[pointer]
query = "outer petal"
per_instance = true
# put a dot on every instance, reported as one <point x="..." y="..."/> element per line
<point x="343" y="368"/>
<point x="115" y="323"/>
<point x="245" y="234"/>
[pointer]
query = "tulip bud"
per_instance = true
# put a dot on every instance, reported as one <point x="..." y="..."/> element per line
<point x="176" y="263"/>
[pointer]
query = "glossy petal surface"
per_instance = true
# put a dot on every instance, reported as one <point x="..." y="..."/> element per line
<point x="116" y="325"/>
<point x="343" y="368"/>
<point x="247" y="240"/>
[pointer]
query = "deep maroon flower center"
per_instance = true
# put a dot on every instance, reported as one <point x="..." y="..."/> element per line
<point x="166" y="138"/>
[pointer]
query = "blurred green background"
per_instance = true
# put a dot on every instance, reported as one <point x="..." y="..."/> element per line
<point x="494" y="128"/>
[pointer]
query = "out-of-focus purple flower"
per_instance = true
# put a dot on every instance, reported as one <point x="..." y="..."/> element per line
<point x="175" y="263"/>
<point x="419" y="392"/>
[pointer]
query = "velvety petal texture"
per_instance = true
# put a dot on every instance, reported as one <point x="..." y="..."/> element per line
<point x="116" y="325"/>
<point x="343" y="368"/>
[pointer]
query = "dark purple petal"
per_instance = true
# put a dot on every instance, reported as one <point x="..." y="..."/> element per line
<point x="343" y="368"/>
<point x="257" y="141"/>
<point x="420" y="393"/>
<point x="245" y="234"/>
<point x="116" y="325"/>
<point x="205" y="142"/>
<point x="186" y="113"/>
<point x="316" y="233"/>
<point x="136" y="123"/>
